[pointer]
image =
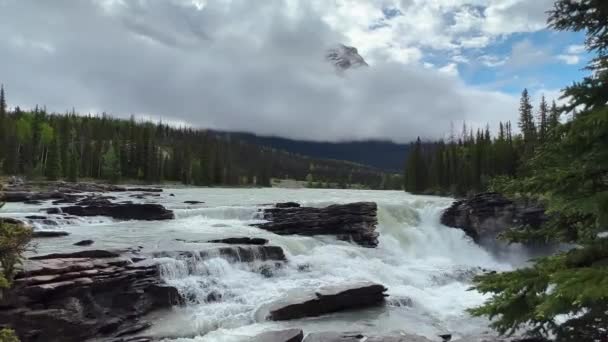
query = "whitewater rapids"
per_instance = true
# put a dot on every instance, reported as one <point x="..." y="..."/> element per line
<point x="425" y="266"/>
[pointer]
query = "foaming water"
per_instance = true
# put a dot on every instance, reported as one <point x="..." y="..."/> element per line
<point x="425" y="266"/>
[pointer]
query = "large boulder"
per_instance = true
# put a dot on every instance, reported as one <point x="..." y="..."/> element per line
<point x="74" y="297"/>
<point x="289" y="335"/>
<point x="126" y="211"/>
<point x="485" y="215"/>
<point x="325" y="300"/>
<point x="351" y="222"/>
<point x="360" y="337"/>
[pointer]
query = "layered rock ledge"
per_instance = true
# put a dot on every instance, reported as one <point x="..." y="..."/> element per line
<point x="486" y="215"/>
<point x="124" y="211"/>
<point x="350" y="222"/>
<point x="325" y="300"/>
<point x="76" y="296"/>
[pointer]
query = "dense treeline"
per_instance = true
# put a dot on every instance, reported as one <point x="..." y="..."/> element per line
<point x="468" y="162"/>
<point x="70" y="146"/>
<point x="562" y="297"/>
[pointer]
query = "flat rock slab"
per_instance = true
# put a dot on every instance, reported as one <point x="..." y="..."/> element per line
<point x="360" y="337"/>
<point x="326" y="300"/>
<point x="49" y="233"/>
<point x="354" y="222"/>
<point x="289" y="335"/>
<point x="134" y="211"/>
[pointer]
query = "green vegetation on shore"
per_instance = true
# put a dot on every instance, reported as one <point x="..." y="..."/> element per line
<point x="563" y="296"/>
<point x="14" y="240"/>
<point x="468" y="162"/>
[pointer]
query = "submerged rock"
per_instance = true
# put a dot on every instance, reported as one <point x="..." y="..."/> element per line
<point x="241" y="241"/>
<point x="351" y="222"/>
<point x="84" y="243"/>
<point x="289" y="335"/>
<point x="325" y="300"/>
<point x="360" y="337"/>
<point x="193" y="202"/>
<point x="49" y="233"/>
<point x="486" y="215"/>
<point x="149" y="212"/>
<point x="78" y="296"/>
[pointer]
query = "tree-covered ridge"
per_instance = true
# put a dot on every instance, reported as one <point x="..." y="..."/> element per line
<point x="70" y="146"/>
<point x="564" y="296"/>
<point x="467" y="162"/>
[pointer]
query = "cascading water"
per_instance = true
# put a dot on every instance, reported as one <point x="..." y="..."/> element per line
<point x="425" y="266"/>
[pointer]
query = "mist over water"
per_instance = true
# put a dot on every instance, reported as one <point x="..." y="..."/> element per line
<point x="426" y="266"/>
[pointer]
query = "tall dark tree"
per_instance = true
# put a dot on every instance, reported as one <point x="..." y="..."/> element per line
<point x="565" y="296"/>
<point x="53" y="168"/>
<point x="526" y="122"/>
<point x="543" y="124"/>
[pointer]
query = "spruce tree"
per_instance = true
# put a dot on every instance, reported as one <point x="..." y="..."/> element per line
<point x="565" y="295"/>
<point x="553" y="120"/>
<point x="110" y="162"/>
<point x="526" y="122"/>
<point x="543" y="111"/>
<point x="53" y="167"/>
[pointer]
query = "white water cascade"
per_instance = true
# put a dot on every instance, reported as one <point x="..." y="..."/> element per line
<point x="426" y="266"/>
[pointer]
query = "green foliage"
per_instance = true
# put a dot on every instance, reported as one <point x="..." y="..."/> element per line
<point x="110" y="165"/>
<point x="569" y="174"/>
<point x="8" y="335"/>
<point x="53" y="167"/>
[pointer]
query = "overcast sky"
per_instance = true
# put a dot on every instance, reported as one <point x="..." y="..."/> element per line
<point x="258" y="65"/>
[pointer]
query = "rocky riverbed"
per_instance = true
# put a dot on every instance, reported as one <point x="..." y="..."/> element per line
<point x="151" y="264"/>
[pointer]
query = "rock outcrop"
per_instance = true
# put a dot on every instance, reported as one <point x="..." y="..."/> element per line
<point x="486" y="215"/>
<point x="351" y="222"/>
<point x="358" y="337"/>
<point x="76" y="296"/>
<point x="345" y="57"/>
<point x="120" y="211"/>
<point x="289" y="335"/>
<point x="325" y="300"/>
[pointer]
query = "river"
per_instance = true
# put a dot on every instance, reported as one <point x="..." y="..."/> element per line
<point x="425" y="266"/>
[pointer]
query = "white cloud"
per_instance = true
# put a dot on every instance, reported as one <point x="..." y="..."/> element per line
<point x="449" y="69"/>
<point x="569" y="59"/>
<point x="258" y="66"/>
<point x="575" y="49"/>
<point x="492" y="61"/>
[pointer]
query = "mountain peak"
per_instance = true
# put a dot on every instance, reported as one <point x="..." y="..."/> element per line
<point x="345" y="57"/>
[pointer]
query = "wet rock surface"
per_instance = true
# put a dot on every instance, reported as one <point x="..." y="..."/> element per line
<point x="360" y="337"/>
<point x="241" y="241"/>
<point x="325" y="300"/>
<point x="350" y="222"/>
<point x="145" y="212"/>
<point x="49" y="233"/>
<point x="288" y="335"/>
<point x="76" y="296"/>
<point x="486" y="215"/>
<point x="232" y="253"/>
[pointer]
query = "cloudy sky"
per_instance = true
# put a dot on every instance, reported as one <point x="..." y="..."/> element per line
<point x="258" y="65"/>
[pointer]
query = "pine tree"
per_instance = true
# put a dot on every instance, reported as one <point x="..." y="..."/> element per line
<point x="416" y="170"/>
<point x="543" y="125"/>
<point x="110" y="162"/>
<point x="570" y="176"/>
<point x="553" y="120"/>
<point x="53" y="168"/>
<point x="526" y="122"/>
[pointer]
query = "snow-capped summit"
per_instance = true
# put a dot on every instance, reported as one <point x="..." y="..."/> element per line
<point x="345" y="57"/>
